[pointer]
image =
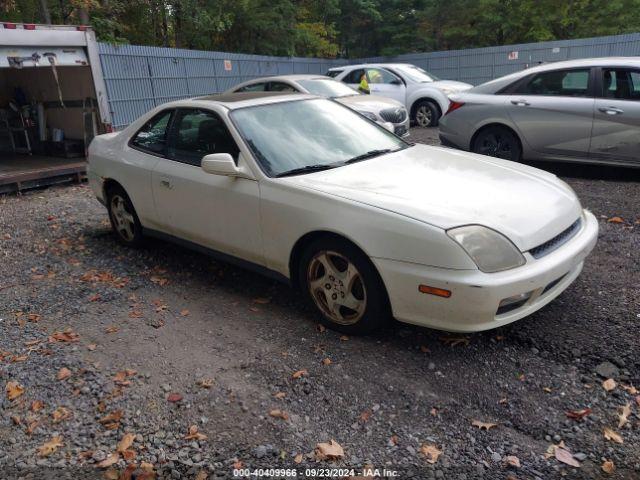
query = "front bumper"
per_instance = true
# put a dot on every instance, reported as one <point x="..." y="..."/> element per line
<point x="476" y="296"/>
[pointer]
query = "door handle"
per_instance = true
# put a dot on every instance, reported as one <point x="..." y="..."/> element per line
<point x="611" y="110"/>
<point x="520" y="103"/>
<point x="166" y="183"/>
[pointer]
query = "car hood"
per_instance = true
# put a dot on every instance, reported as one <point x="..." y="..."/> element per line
<point x="373" y="103"/>
<point x="452" y="85"/>
<point x="449" y="188"/>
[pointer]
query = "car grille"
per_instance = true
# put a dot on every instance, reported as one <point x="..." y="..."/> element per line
<point x="557" y="241"/>
<point x="394" y="115"/>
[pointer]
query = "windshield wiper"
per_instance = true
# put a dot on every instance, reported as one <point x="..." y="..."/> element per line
<point x="369" y="154"/>
<point x="307" y="169"/>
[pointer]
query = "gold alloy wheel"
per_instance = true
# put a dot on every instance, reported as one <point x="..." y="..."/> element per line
<point x="122" y="219"/>
<point x="337" y="288"/>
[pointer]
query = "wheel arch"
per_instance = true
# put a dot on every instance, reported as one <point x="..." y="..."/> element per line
<point x="491" y="125"/>
<point x="424" y="98"/>
<point x="108" y="184"/>
<point x="303" y="242"/>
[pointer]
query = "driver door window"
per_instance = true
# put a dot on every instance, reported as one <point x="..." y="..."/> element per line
<point x="378" y="75"/>
<point x="197" y="133"/>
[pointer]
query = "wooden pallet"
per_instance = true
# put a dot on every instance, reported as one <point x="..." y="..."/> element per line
<point x="39" y="172"/>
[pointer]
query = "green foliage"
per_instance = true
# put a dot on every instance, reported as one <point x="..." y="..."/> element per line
<point x="333" y="28"/>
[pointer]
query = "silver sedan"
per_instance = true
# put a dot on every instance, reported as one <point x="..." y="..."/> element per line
<point x="580" y="110"/>
<point x="375" y="107"/>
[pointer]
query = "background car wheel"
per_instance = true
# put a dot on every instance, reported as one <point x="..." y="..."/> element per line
<point x="498" y="142"/>
<point x="426" y="114"/>
<point x="344" y="286"/>
<point x="123" y="217"/>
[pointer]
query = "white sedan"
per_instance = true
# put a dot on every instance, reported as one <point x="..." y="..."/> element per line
<point x="366" y="225"/>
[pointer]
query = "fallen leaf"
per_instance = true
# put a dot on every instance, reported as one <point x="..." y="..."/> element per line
<point x="184" y="313"/>
<point x="63" y="373"/>
<point x="202" y="475"/>
<point x="111" y="459"/>
<point x="434" y="412"/>
<point x="609" y="434"/>
<point x="485" y="425"/>
<point x="365" y="416"/>
<point x="112" y="420"/>
<point x="424" y="349"/>
<point x="300" y="373"/>
<point x="14" y="390"/>
<point x="344" y="338"/>
<point x="194" y="434"/>
<point x="298" y="458"/>
<point x="326" y="361"/>
<point x="60" y="414"/>
<point x="32" y="426"/>
<point x="125" y="442"/>
<point x="513" y="461"/>
<point x="91" y="347"/>
<point x="394" y="440"/>
<point x="205" y="382"/>
<point x="431" y="452"/>
<point x="127" y="473"/>
<point x="455" y="341"/>
<point x="120" y="378"/>
<point x="49" y="447"/>
<point x="565" y="456"/>
<point x="36" y="406"/>
<point x="111" y="329"/>
<point x="174" y="397"/>
<point x="277" y="413"/>
<point x="630" y="389"/>
<point x="34" y="317"/>
<point x="321" y="328"/>
<point x="329" y="451"/>
<point x="546" y="389"/>
<point x="146" y="466"/>
<point x="136" y="314"/>
<point x="638" y="400"/>
<point x="67" y="336"/>
<point x="95" y="297"/>
<point x="608" y="467"/>
<point x="609" y="384"/>
<point x="262" y="301"/>
<point x="578" y="414"/>
<point x="280" y="395"/>
<point x="237" y="465"/>
<point x="624" y="415"/>
<point x="160" y="281"/>
<point x="615" y="220"/>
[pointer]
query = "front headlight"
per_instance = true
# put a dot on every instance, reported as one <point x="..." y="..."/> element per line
<point x="369" y="115"/>
<point x="491" y="251"/>
<point x="448" y="91"/>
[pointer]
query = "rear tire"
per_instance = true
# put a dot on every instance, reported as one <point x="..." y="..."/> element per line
<point x="499" y="142"/>
<point x="426" y="114"/>
<point x="123" y="217"/>
<point x="344" y="286"/>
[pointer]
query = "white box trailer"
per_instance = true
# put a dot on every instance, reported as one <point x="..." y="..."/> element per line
<point x="53" y="101"/>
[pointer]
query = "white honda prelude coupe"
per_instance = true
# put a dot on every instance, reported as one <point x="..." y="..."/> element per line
<point x="366" y="225"/>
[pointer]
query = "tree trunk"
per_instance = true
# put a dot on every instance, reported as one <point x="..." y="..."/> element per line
<point x="46" y="15"/>
<point x="83" y="16"/>
<point x="177" y="24"/>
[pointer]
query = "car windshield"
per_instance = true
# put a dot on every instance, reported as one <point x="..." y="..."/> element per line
<point x="416" y="74"/>
<point x="301" y="136"/>
<point x="327" y="88"/>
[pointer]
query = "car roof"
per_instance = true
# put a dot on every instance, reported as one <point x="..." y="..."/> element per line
<point x="233" y="101"/>
<point x="280" y="78"/>
<point x="364" y="65"/>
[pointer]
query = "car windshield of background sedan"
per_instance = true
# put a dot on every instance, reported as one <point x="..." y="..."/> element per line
<point x="302" y="136"/>
<point x="327" y="88"/>
<point x="416" y="74"/>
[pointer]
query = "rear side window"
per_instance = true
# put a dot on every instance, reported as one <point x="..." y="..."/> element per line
<point x="152" y="137"/>
<point x="354" y="76"/>
<point x="254" y="87"/>
<point x="564" y="83"/>
<point x="333" y="73"/>
<point x="621" y="83"/>
<point x="197" y="133"/>
<point x="281" y="87"/>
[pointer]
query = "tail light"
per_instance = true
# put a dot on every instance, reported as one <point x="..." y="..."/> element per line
<point x="453" y="105"/>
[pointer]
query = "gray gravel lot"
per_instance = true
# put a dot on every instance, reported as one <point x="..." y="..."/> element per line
<point x="162" y="339"/>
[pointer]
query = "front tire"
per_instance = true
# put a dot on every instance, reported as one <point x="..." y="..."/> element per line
<point x="426" y="114"/>
<point x="123" y="217"/>
<point x="343" y="285"/>
<point x="498" y="142"/>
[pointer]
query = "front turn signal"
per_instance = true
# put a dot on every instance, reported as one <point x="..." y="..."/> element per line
<point x="439" y="292"/>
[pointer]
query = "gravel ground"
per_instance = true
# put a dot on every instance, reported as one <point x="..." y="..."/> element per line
<point x="100" y="341"/>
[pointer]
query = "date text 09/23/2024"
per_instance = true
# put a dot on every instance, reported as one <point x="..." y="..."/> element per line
<point x="367" y="472"/>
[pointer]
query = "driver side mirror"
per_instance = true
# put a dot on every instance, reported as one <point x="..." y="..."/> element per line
<point x="221" y="164"/>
